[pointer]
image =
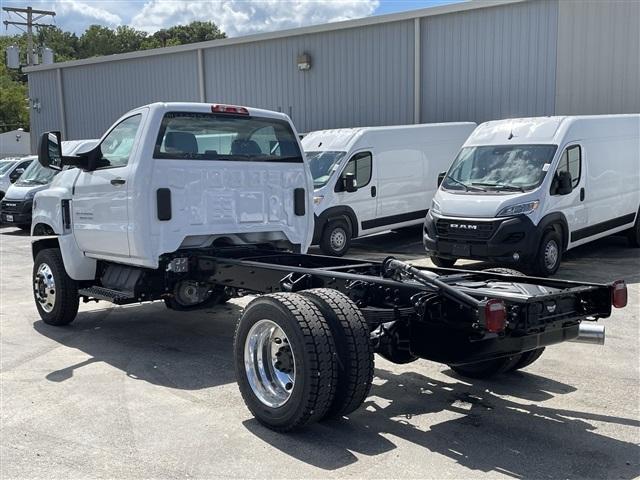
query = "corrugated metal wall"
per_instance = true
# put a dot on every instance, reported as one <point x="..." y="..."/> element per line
<point x="488" y="64"/>
<point x="598" y="57"/>
<point x="96" y="95"/>
<point x="358" y="76"/>
<point x="43" y="91"/>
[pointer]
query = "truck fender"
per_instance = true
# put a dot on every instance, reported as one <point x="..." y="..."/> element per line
<point x="334" y="213"/>
<point x="77" y="265"/>
<point x="555" y="218"/>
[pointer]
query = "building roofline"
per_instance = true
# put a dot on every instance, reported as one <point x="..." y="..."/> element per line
<point x="259" y="37"/>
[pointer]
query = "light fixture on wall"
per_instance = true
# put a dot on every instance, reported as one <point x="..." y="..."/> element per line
<point x="35" y="104"/>
<point x="304" y="61"/>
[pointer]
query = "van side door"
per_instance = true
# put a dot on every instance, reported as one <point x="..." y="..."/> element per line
<point x="100" y="198"/>
<point x="364" y="200"/>
<point x="571" y="203"/>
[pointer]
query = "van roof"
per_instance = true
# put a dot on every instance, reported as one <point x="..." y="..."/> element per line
<point x="553" y="130"/>
<point x="344" y="139"/>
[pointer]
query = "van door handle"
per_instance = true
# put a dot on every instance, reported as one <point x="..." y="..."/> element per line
<point x="373" y="192"/>
<point x="582" y="194"/>
<point x="118" y="181"/>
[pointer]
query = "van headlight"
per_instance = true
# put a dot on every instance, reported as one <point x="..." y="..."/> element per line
<point x="519" y="209"/>
<point x="318" y="199"/>
<point x="435" y="207"/>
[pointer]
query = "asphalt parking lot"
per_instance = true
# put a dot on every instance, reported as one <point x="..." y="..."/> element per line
<point x="145" y="392"/>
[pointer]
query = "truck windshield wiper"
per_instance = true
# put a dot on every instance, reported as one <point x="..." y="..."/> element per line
<point x="499" y="186"/>
<point x="466" y="187"/>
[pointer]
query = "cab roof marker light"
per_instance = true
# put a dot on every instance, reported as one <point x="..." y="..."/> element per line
<point x="619" y="294"/>
<point x="218" y="108"/>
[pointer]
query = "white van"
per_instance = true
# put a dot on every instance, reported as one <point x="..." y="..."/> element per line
<point x="372" y="179"/>
<point x="524" y="191"/>
<point x="10" y="170"/>
<point x="17" y="203"/>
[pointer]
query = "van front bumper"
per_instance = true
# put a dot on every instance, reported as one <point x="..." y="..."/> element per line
<point x="505" y="240"/>
<point x="16" y="212"/>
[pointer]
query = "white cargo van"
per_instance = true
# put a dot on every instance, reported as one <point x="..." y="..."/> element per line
<point x="372" y="179"/>
<point x="526" y="190"/>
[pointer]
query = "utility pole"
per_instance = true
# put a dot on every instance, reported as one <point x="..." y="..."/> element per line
<point x="27" y="14"/>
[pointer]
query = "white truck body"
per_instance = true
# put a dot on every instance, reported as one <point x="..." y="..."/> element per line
<point x="602" y="154"/>
<point x="396" y="170"/>
<point x="244" y="196"/>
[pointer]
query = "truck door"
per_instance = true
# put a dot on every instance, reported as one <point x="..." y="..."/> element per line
<point x="572" y="205"/>
<point x="100" y="199"/>
<point x="364" y="200"/>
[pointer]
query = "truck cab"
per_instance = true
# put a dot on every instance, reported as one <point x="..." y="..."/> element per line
<point x="172" y="176"/>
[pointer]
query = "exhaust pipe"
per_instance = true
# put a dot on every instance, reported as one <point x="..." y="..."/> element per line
<point x="588" y="333"/>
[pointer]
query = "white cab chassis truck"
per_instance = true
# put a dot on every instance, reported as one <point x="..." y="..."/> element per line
<point x="371" y="179"/>
<point x="191" y="204"/>
<point x="523" y="191"/>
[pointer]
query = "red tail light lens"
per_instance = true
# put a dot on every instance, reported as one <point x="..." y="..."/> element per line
<point x="495" y="316"/>
<point x="619" y="294"/>
<point x="229" y="109"/>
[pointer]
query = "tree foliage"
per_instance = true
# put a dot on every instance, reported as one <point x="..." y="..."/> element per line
<point x="96" y="40"/>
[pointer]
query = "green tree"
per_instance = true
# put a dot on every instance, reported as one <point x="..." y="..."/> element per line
<point x="182" y="34"/>
<point x="64" y="44"/>
<point x="14" y="106"/>
<point x="97" y="40"/>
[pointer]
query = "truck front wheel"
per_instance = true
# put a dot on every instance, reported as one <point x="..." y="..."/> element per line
<point x="285" y="360"/>
<point x="55" y="293"/>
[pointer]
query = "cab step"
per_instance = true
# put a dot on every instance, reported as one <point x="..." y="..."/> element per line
<point x="114" y="296"/>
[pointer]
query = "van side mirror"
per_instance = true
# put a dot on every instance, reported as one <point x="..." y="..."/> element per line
<point x="50" y="150"/>
<point x="15" y="175"/>
<point x="441" y="176"/>
<point x="349" y="183"/>
<point x="564" y="183"/>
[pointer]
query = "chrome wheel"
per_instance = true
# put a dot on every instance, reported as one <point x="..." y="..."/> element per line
<point x="269" y="363"/>
<point x="338" y="239"/>
<point x="551" y="253"/>
<point x="44" y="286"/>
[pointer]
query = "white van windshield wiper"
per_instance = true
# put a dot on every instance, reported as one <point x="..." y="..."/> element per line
<point x="499" y="186"/>
<point x="466" y="187"/>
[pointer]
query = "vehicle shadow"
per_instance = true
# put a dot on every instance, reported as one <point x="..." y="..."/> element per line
<point x="488" y="433"/>
<point x="16" y="232"/>
<point x="189" y="350"/>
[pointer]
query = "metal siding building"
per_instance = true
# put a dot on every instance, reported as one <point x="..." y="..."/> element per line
<point x="472" y="61"/>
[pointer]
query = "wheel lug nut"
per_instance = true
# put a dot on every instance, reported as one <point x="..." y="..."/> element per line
<point x="289" y="386"/>
<point x="277" y="340"/>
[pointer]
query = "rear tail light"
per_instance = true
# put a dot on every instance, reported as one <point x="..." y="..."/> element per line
<point x="495" y="316"/>
<point x="619" y="294"/>
<point x="229" y="109"/>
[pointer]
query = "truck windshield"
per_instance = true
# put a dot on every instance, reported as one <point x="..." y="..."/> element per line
<point x="36" y="174"/>
<point x="500" y="168"/>
<point x="209" y="136"/>
<point x="5" y="166"/>
<point x="323" y="165"/>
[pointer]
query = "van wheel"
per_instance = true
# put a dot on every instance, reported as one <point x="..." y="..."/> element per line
<point x="443" y="262"/>
<point x="55" y="293"/>
<point x="549" y="255"/>
<point x="336" y="238"/>
<point x="633" y="234"/>
<point x="353" y="345"/>
<point x="488" y="368"/>
<point x="285" y="361"/>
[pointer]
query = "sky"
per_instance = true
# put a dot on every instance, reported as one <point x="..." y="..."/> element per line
<point x="235" y="17"/>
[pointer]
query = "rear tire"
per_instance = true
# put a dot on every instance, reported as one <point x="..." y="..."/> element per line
<point x="55" y="293"/>
<point x="549" y="255"/>
<point x="486" y="369"/>
<point x="355" y="353"/>
<point x="308" y="360"/>
<point x="504" y="271"/>
<point x="443" y="262"/>
<point x="336" y="238"/>
<point x="633" y="234"/>
<point x="527" y="358"/>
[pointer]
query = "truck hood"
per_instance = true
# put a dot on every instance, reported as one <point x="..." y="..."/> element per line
<point x="478" y="205"/>
<point x="19" y="192"/>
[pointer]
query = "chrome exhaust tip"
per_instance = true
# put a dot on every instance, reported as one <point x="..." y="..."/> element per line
<point x="588" y="333"/>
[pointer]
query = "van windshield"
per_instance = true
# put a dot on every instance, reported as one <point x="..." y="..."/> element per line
<point x="323" y="165"/>
<point x="36" y="174"/>
<point x="209" y="136"/>
<point x="5" y="166"/>
<point x="500" y="168"/>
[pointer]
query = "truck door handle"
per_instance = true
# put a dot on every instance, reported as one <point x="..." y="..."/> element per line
<point x="373" y="191"/>
<point x="118" y="181"/>
<point x="582" y="194"/>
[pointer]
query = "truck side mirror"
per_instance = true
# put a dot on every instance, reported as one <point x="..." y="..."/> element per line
<point x="50" y="150"/>
<point x="441" y="176"/>
<point x="564" y="183"/>
<point x="349" y="183"/>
